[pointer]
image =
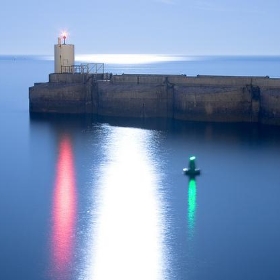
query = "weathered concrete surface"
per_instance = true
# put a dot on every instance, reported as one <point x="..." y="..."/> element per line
<point x="59" y="98"/>
<point x="270" y="106"/>
<point x="73" y="78"/>
<point x="201" y="98"/>
<point x="212" y="103"/>
<point x="134" y="100"/>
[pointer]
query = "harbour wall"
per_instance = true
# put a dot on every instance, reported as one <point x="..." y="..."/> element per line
<point x="199" y="98"/>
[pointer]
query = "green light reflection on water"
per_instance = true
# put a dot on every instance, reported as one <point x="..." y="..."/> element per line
<point x="191" y="206"/>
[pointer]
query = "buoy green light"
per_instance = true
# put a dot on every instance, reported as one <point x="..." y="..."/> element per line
<point x="191" y="206"/>
<point x="192" y="171"/>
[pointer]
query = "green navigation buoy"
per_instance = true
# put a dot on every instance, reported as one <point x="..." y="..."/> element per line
<point x="192" y="171"/>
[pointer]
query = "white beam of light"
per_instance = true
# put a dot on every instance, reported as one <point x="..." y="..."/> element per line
<point x="127" y="230"/>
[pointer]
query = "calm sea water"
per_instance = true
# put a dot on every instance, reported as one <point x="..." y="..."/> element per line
<point x="105" y="198"/>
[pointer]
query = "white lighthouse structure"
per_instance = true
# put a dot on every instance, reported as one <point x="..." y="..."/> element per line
<point x="64" y="57"/>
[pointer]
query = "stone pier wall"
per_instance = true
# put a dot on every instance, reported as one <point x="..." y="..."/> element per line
<point x="200" y="98"/>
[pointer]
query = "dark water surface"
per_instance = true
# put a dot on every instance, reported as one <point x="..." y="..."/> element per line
<point x="105" y="198"/>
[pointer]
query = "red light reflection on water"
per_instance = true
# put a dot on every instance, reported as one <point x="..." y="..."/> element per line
<point x="63" y="211"/>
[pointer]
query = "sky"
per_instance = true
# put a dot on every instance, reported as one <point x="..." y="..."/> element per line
<point x="213" y="27"/>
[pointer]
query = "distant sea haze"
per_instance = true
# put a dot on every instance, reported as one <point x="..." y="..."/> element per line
<point x="174" y="64"/>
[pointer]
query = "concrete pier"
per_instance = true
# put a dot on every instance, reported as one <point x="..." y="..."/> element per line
<point x="199" y="98"/>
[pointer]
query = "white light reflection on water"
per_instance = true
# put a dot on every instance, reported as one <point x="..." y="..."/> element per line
<point x="130" y="58"/>
<point x="127" y="237"/>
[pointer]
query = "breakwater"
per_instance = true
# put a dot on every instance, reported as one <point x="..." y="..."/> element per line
<point x="199" y="98"/>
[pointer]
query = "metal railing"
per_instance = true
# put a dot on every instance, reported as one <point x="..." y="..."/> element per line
<point x="85" y="68"/>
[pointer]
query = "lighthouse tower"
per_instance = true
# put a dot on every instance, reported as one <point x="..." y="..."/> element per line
<point x="63" y="56"/>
